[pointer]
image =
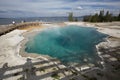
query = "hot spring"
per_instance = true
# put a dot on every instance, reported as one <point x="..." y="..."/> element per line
<point x="69" y="44"/>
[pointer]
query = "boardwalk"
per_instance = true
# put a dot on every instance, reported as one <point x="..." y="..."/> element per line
<point x="8" y="28"/>
<point x="42" y="69"/>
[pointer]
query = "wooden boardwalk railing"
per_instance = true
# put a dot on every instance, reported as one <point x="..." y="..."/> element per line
<point x="7" y="29"/>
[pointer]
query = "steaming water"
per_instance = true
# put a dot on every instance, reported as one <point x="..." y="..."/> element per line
<point x="70" y="44"/>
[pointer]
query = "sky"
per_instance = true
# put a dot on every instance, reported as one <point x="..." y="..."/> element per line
<point x="51" y="8"/>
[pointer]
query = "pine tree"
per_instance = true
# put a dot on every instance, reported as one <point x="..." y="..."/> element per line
<point x="101" y="16"/>
<point x="107" y="18"/>
<point x="90" y="18"/>
<point x="118" y="17"/>
<point x="70" y="17"/>
<point x="96" y="18"/>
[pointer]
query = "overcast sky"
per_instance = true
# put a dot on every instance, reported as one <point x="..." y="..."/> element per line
<point x="41" y="8"/>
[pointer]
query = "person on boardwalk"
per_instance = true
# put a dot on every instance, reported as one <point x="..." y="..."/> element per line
<point x="29" y="70"/>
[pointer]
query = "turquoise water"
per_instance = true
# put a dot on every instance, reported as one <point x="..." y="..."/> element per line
<point x="68" y="44"/>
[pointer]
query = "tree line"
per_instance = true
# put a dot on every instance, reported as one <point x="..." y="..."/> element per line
<point x="101" y="17"/>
